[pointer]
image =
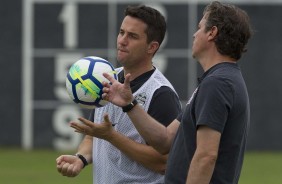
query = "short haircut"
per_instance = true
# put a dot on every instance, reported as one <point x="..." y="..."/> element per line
<point x="233" y="26"/>
<point x="156" y="24"/>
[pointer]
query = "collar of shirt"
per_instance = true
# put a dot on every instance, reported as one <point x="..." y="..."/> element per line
<point x="213" y="68"/>
<point x="138" y="81"/>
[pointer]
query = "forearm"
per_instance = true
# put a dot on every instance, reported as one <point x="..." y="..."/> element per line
<point x="201" y="169"/>
<point x="141" y="153"/>
<point x="151" y="130"/>
<point x="204" y="159"/>
<point x="85" y="148"/>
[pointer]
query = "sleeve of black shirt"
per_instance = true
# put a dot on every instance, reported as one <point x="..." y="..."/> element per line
<point x="165" y="105"/>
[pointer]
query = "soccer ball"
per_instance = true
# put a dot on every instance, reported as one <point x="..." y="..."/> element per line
<point x="84" y="81"/>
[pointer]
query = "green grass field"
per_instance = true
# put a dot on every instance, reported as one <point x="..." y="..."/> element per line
<point x="39" y="167"/>
<point x="35" y="167"/>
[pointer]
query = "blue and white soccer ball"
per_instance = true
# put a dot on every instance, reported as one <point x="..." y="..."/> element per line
<point x="84" y="81"/>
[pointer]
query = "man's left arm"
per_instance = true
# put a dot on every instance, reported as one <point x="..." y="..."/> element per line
<point x="141" y="153"/>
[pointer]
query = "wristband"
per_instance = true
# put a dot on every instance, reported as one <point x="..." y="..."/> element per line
<point x="130" y="106"/>
<point x="83" y="159"/>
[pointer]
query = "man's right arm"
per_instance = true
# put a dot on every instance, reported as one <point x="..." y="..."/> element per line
<point x="85" y="148"/>
<point x="71" y="165"/>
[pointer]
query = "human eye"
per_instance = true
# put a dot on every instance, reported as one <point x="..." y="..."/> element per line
<point x="133" y="36"/>
<point x="121" y="32"/>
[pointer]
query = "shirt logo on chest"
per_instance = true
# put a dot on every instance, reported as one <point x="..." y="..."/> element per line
<point x="141" y="98"/>
<point x="191" y="98"/>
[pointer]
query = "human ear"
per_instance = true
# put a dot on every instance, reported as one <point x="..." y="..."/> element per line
<point x="153" y="47"/>
<point x="213" y="32"/>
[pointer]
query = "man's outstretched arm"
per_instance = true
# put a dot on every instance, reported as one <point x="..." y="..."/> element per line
<point x="155" y="134"/>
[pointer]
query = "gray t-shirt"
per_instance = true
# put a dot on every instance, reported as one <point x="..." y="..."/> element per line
<point x="220" y="102"/>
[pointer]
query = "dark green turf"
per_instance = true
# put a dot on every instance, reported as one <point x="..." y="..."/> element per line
<point x="39" y="167"/>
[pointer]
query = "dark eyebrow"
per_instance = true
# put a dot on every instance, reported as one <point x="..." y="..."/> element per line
<point x="133" y="34"/>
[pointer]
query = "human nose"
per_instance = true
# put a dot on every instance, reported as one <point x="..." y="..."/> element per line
<point x="194" y="35"/>
<point x="122" y="39"/>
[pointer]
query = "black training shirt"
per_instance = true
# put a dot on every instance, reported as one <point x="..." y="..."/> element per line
<point x="220" y="102"/>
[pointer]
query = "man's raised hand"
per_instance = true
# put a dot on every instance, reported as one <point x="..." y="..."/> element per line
<point x="117" y="93"/>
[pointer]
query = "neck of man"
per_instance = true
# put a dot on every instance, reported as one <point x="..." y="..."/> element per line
<point x="136" y="71"/>
<point x="212" y="59"/>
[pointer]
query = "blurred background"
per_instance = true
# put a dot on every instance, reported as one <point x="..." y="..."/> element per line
<point x="40" y="39"/>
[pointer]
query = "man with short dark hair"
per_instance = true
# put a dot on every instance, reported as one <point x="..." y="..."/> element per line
<point x="118" y="152"/>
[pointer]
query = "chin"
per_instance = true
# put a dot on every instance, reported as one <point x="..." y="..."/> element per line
<point x="121" y="61"/>
<point x="193" y="55"/>
<point x="121" y="58"/>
